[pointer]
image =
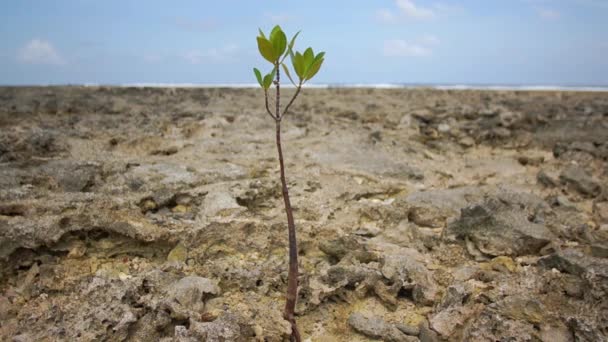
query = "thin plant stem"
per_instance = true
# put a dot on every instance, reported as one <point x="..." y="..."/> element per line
<point x="292" y="275"/>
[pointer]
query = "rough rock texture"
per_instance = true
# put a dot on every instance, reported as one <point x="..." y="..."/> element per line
<point x="151" y="214"/>
<point x="506" y="224"/>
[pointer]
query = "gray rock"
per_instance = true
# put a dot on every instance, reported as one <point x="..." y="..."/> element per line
<point x="594" y="271"/>
<point x="452" y="320"/>
<point x="580" y="180"/>
<point x="546" y="179"/>
<point x="570" y="261"/>
<point x="340" y="247"/>
<point x="70" y="176"/>
<point x="443" y="128"/>
<point x="502" y="225"/>
<point x="599" y="251"/>
<point x="404" y="270"/>
<point x="427" y="216"/>
<point x="225" y="328"/>
<point x="509" y="119"/>
<point x="22" y="338"/>
<point x="375" y="327"/>
<point x="408" y="329"/>
<point x="51" y="230"/>
<point x="586" y="331"/>
<point x="190" y="291"/>
<point x="454" y="295"/>
<point x="600" y="211"/>
<point x="426" y="334"/>
<point x="556" y="333"/>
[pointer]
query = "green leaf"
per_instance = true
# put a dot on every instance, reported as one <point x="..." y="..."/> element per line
<point x="274" y="31"/>
<point x="320" y="55"/>
<point x="267" y="81"/>
<point x="268" y="78"/>
<point x="286" y="69"/>
<point x="314" y="68"/>
<point x="266" y="49"/>
<point x="309" y="56"/>
<point x="261" y="33"/>
<point x="290" y="45"/>
<point x="293" y="40"/>
<point x="298" y="64"/>
<point x="279" y="43"/>
<point x="258" y="76"/>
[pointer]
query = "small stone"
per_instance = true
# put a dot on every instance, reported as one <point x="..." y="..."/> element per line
<point x="466" y="142"/>
<point x="600" y="211"/>
<point x="532" y="161"/>
<point x="224" y="328"/>
<point x="501" y="225"/>
<point x="376" y="327"/>
<point x="426" y="334"/>
<point x="523" y="308"/>
<point x="560" y="201"/>
<point x="443" y="128"/>
<point x="180" y="208"/>
<point x="183" y="199"/>
<point x="78" y="250"/>
<point x="503" y="264"/>
<point x="509" y="119"/>
<point x="339" y="247"/>
<point x="580" y="180"/>
<point x="148" y="205"/>
<point x="22" y="338"/>
<point x="178" y="254"/>
<point x="368" y="230"/>
<point x="544" y="178"/>
<point x="404" y="270"/>
<point x="426" y="217"/>
<point x="500" y="132"/>
<point x="408" y="329"/>
<point x="599" y="251"/>
<point x="556" y="333"/>
<point x="190" y="291"/>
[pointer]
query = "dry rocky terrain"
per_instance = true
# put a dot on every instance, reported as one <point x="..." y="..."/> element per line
<point x="155" y="214"/>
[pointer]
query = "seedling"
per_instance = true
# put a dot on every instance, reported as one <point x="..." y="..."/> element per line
<point x="306" y="65"/>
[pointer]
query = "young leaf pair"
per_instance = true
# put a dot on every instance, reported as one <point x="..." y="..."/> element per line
<point x="275" y="49"/>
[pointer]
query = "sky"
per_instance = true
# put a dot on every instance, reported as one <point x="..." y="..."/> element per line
<point x="510" y="42"/>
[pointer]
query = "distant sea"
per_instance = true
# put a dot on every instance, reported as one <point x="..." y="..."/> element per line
<point x="603" y="88"/>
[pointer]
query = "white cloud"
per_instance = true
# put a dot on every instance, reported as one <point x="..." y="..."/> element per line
<point x="407" y="9"/>
<point x="39" y="51"/>
<point x="549" y="14"/>
<point x="223" y="54"/>
<point x="410" y="9"/>
<point x="401" y="48"/>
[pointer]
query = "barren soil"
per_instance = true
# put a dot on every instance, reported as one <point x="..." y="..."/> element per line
<point x="145" y="214"/>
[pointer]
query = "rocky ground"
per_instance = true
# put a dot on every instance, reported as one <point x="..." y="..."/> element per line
<point x="141" y="214"/>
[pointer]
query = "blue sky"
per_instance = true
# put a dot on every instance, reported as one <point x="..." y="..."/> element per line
<point x="403" y="41"/>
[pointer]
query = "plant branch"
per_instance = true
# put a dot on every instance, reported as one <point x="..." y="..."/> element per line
<point x="267" y="107"/>
<point x="299" y="87"/>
